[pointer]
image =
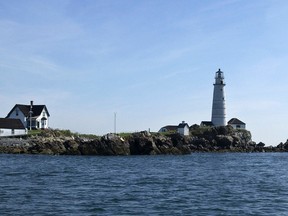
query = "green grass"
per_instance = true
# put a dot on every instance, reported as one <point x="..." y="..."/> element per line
<point x="34" y="132"/>
<point x="165" y="133"/>
<point x="125" y="135"/>
<point x="59" y="133"/>
<point x="88" y="136"/>
<point x="76" y="134"/>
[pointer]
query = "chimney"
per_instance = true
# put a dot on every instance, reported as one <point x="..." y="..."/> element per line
<point x="30" y="114"/>
<point x="31" y="108"/>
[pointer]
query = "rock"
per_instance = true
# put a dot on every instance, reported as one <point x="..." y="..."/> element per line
<point x="142" y="145"/>
<point x="202" y="139"/>
<point x="224" y="141"/>
<point x="285" y="145"/>
<point x="49" y="147"/>
<point x="224" y="130"/>
<point x="260" y="144"/>
<point x="107" y="145"/>
<point x="89" y="148"/>
<point x="115" y="146"/>
<point x="163" y="144"/>
<point x="72" y="147"/>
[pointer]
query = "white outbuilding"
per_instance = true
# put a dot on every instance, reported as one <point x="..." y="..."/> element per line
<point x="183" y="128"/>
<point x="236" y="123"/>
<point x="11" y="127"/>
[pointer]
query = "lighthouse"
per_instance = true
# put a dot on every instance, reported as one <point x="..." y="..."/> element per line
<point x="218" y="106"/>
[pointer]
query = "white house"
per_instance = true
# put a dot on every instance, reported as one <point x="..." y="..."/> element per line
<point x="11" y="127"/>
<point x="32" y="116"/>
<point x="182" y="128"/>
<point x="236" y="123"/>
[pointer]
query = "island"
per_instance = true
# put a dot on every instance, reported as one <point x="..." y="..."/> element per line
<point x="200" y="139"/>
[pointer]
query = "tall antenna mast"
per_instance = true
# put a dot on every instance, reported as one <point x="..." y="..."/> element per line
<point x="115" y="115"/>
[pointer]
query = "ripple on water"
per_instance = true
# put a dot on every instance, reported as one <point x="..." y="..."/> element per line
<point x="197" y="184"/>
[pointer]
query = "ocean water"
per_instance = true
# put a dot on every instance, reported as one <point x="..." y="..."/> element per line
<point x="196" y="184"/>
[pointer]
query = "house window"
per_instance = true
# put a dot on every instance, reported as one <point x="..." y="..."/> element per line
<point x="44" y="114"/>
<point x="13" y="131"/>
<point x="238" y="126"/>
<point x="17" y="112"/>
<point x="1" y="131"/>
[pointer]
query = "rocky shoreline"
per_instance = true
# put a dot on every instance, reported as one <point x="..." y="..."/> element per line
<point x="214" y="139"/>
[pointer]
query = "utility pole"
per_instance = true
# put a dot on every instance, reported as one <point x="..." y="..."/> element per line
<point x="115" y="115"/>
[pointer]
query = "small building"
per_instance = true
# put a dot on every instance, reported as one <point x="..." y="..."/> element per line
<point x="32" y="116"/>
<point x="236" y="123"/>
<point x="206" y="124"/>
<point x="169" y="128"/>
<point x="11" y="127"/>
<point x="182" y="128"/>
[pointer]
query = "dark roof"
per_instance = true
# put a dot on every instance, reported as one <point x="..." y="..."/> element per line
<point x="37" y="109"/>
<point x="171" y="127"/>
<point x="235" y="121"/>
<point x="182" y="125"/>
<point x="207" y="123"/>
<point x="6" y="123"/>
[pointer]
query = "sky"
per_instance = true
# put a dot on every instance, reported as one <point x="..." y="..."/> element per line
<point x="151" y="62"/>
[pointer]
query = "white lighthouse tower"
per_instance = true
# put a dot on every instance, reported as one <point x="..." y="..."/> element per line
<point x="218" y="106"/>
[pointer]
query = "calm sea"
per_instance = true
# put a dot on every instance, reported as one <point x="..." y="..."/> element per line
<point x="196" y="184"/>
